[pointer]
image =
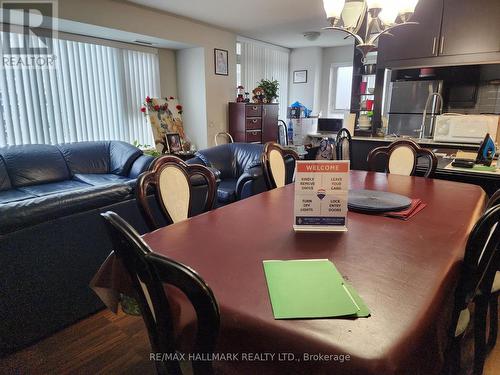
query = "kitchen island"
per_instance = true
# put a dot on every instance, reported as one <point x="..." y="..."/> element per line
<point x="361" y="147"/>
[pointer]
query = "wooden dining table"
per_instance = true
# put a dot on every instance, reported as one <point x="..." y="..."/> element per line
<point x="405" y="271"/>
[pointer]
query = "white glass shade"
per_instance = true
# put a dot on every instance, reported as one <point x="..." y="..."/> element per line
<point x="375" y="4"/>
<point x="407" y="6"/>
<point x="333" y="8"/>
<point x="388" y="15"/>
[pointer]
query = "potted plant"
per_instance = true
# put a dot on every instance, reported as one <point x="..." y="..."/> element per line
<point x="270" y="88"/>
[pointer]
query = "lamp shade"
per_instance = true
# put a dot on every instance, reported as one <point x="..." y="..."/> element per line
<point x="407" y="6"/>
<point x="389" y="13"/>
<point x="371" y="4"/>
<point x="333" y="8"/>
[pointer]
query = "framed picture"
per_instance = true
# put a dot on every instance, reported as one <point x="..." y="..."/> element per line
<point x="220" y="61"/>
<point x="174" y="142"/>
<point x="300" y="76"/>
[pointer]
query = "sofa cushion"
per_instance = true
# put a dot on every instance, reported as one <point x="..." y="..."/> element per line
<point x="103" y="179"/>
<point x="121" y="157"/>
<point x="140" y="165"/>
<point x="245" y="156"/>
<point x="226" y="192"/>
<point x="218" y="157"/>
<point x="34" y="164"/>
<point x="4" y="176"/>
<point x="54" y="188"/>
<point x="41" y="209"/>
<point x="14" y="195"/>
<point x="86" y="157"/>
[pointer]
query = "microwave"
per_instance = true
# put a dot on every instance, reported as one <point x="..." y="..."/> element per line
<point x="458" y="128"/>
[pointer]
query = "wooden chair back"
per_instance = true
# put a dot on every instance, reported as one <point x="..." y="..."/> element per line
<point x="171" y="179"/>
<point x="343" y="145"/>
<point x="494" y="200"/>
<point x="274" y="164"/>
<point x="149" y="272"/>
<point x="479" y="267"/>
<point x="282" y="133"/>
<point x="226" y="135"/>
<point x="402" y="158"/>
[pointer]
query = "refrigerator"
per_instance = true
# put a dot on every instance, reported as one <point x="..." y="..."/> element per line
<point x="407" y="104"/>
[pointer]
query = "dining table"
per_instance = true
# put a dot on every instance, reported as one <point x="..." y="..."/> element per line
<point x="405" y="271"/>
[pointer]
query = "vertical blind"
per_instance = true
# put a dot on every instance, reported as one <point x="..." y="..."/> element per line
<point x="261" y="62"/>
<point x="93" y="92"/>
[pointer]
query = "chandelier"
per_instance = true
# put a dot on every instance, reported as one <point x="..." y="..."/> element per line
<point x="381" y="16"/>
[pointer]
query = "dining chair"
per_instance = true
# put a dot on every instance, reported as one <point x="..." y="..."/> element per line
<point x="149" y="273"/>
<point x="282" y="133"/>
<point x="479" y="266"/>
<point x="172" y="180"/>
<point x="495" y="290"/>
<point x="229" y="137"/>
<point x="343" y="145"/>
<point x="276" y="164"/>
<point x="402" y="158"/>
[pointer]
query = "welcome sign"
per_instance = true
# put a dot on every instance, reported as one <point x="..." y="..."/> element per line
<point x="321" y="191"/>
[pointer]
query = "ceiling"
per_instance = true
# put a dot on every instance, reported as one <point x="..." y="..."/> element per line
<point x="281" y="22"/>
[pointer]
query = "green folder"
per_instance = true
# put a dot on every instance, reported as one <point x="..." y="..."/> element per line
<point x="310" y="288"/>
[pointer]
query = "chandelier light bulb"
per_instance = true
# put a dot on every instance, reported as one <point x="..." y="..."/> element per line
<point x="375" y="4"/>
<point x="407" y="6"/>
<point x="333" y="8"/>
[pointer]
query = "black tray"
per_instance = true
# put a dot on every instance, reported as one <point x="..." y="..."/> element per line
<point x="376" y="201"/>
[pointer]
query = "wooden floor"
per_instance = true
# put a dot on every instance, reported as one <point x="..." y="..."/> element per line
<point x="106" y="343"/>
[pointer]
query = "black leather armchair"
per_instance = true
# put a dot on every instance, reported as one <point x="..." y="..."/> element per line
<point x="239" y="167"/>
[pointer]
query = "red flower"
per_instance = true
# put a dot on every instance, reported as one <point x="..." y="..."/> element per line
<point x="178" y="107"/>
<point x="164" y="107"/>
<point x="157" y="107"/>
<point x="148" y="99"/>
<point x="143" y="109"/>
<point x="171" y="98"/>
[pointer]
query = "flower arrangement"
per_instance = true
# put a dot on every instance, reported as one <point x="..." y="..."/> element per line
<point x="149" y="106"/>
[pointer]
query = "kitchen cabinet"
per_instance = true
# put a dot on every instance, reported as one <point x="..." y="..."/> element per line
<point x="415" y="41"/>
<point x="470" y="27"/>
<point x="253" y="123"/>
<point x="449" y="32"/>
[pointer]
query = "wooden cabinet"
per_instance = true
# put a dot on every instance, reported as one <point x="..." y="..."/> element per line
<point x="415" y="41"/>
<point x="449" y="32"/>
<point x="253" y="123"/>
<point x="470" y="27"/>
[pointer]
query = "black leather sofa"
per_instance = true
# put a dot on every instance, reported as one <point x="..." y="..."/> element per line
<point x="52" y="240"/>
<point x="240" y="170"/>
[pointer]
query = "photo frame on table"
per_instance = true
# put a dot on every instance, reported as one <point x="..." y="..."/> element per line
<point x="300" y="76"/>
<point x="221" y="62"/>
<point x="174" y="143"/>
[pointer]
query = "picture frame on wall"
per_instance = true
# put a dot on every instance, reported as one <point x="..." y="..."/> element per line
<point x="174" y="143"/>
<point x="300" y="76"/>
<point x="221" y="62"/>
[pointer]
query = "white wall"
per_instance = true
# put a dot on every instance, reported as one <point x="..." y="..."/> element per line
<point x="191" y="88"/>
<point x="310" y="59"/>
<point x="120" y="15"/>
<point x="168" y="72"/>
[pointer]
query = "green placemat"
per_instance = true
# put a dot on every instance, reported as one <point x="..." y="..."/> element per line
<point x="310" y="288"/>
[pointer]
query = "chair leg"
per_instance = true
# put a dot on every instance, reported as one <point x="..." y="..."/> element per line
<point x="493" y="309"/>
<point x="480" y="313"/>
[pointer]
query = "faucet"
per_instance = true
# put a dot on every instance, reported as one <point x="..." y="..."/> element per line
<point x="431" y="96"/>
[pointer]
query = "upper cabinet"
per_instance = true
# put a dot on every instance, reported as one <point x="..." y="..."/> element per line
<point x="470" y="27"/>
<point x="414" y="41"/>
<point x="446" y="28"/>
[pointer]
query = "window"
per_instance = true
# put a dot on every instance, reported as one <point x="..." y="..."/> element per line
<point x="238" y="64"/>
<point x="264" y="61"/>
<point x="340" y="88"/>
<point x="94" y="92"/>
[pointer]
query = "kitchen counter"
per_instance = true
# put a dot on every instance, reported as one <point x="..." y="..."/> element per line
<point x="422" y="142"/>
<point x="361" y="146"/>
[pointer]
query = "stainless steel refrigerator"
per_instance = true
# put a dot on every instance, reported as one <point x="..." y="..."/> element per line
<point x="407" y="104"/>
